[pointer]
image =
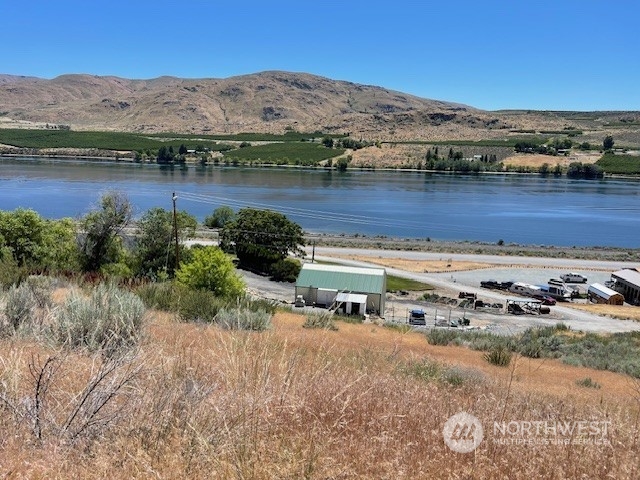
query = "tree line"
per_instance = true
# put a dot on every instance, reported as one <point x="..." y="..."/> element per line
<point x="108" y="243"/>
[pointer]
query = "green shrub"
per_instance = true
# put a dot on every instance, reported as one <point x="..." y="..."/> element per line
<point x="425" y="369"/>
<point x="485" y="341"/>
<point x="498" y="356"/>
<point x="19" y="307"/>
<point x="161" y="296"/>
<point x="457" y="376"/>
<point x="259" y="304"/>
<point x="322" y="320"/>
<point x="285" y="270"/>
<point x="198" y="305"/>
<point x="243" y="319"/>
<point x="430" y="370"/>
<point x="540" y="342"/>
<point x="439" y="336"/>
<point x="587" y="383"/>
<point x="10" y="272"/>
<point x="211" y="269"/>
<point x="108" y="320"/>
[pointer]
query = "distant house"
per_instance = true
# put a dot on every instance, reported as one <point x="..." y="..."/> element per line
<point x="627" y="282"/>
<point x="352" y="290"/>
<point x="598" y="293"/>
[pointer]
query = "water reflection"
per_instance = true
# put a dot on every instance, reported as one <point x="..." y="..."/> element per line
<point x="514" y="208"/>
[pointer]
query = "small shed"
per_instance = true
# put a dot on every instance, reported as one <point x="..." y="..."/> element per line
<point x="599" y="293"/>
<point x="355" y="290"/>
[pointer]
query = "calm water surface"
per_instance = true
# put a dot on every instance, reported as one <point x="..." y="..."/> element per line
<point x="515" y="208"/>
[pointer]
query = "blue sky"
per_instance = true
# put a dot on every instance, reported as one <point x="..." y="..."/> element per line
<point x="547" y="54"/>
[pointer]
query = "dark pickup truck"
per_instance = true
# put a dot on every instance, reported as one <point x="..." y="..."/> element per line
<point x="417" y="317"/>
<point x="496" y="285"/>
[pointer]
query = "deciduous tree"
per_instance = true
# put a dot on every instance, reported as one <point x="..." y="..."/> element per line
<point x="211" y="269"/>
<point x="260" y="238"/>
<point x="154" y="250"/>
<point x="99" y="240"/>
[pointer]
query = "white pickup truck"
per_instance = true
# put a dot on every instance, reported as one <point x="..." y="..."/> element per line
<point x="573" y="278"/>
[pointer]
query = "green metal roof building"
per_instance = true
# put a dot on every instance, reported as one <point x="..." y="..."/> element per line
<point x="355" y="290"/>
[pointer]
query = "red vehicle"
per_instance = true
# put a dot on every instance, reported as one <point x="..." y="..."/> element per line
<point x="545" y="299"/>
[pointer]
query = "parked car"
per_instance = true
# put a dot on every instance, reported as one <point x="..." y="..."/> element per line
<point x="417" y="317"/>
<point x="573" y="278"/>
<point x="545" y="299"/>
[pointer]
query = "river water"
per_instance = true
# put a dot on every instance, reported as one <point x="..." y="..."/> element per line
<point x="525" y="209"/>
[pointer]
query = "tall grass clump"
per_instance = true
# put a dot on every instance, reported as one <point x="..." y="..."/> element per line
<point x="243" y="318"/>
<point x="442" y="337"/>
<point x="498" y="356"/>
<point x="323" y="320"/>
<point x="109" y="319"/>
<point x="432" y="371"/>
<point x="587" y="382"/>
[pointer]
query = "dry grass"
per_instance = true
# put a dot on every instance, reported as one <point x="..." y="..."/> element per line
<point x="623" y="312"/>
<point x="536" y="161"/>
<point x="301" y="403"/>
<point x="421" y="266"/>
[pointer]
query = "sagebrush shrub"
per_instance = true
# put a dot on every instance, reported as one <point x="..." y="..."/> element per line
<point x="441" y="337"/>
<point x="243" y="319"/>
<point x="109" y="319"/>
<point x="20" y="305"/>
<point x="322" y="320"/>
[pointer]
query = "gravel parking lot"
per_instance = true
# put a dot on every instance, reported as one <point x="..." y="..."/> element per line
<point x="450" y="284"/>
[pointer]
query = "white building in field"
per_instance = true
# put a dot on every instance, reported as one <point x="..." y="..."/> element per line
<point x="352" y="290"/>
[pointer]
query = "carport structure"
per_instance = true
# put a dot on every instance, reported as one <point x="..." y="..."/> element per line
<point x="354" y="290"/>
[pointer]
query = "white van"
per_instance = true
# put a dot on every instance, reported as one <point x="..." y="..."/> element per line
<point x="573" y="278"/>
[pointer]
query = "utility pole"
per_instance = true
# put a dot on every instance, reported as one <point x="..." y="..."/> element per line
<point x="313" y="252"/>
<point x="175" y="230"/>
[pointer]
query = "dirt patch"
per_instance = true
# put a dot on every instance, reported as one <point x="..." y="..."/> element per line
<point x="536" y="161"/>
<point x="420" y="266"/>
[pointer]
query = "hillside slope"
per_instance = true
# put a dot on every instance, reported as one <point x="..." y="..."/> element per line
<point x="275" y="102"/>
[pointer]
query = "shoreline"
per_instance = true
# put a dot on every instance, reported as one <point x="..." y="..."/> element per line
<point x="471" y="247"/>
<point x="463" y="246"/>
<point x="125" y="159"/>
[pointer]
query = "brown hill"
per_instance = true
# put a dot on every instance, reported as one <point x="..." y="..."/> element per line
<point x="266" y="102"/>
